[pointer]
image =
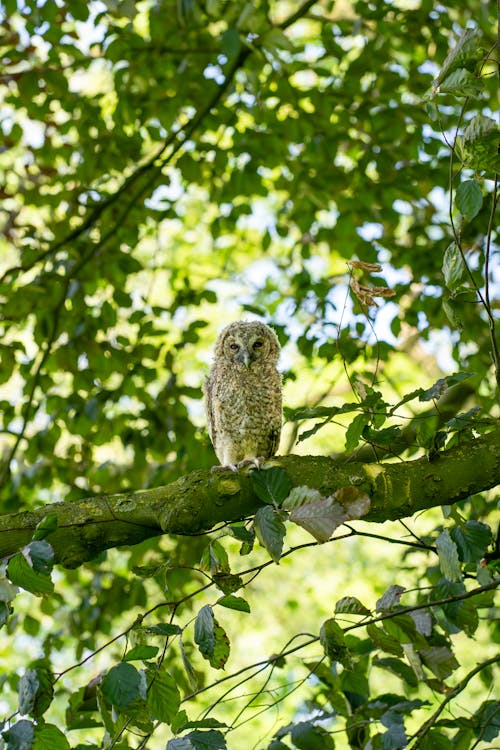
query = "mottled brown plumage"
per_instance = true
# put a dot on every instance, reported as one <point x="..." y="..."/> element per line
<point x="243" y="394"/>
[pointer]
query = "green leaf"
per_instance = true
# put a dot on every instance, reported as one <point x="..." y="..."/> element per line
<point x="27" y="689"/>
<point x="46" y="526"/>
<point x="403" y="628"/>
<point x="204" y="724"/>
<point x="465" y="617"/>
<point x="332" y="638"/>
<point x="7" y="590"/>
<point x="209" y="740"/>
<point x="451" y="310"/>
<point x="164" y="628"/>
<point x="453" y="267"/>
<point x="227" y="583"/>
<point x="397" y="667"/>
<point x="464" y="54"/>
<point x="211" y="638"/>
<point x="188" y="667"/>
<point x="308" y="736"/>
<point x="20" y="736"/>
<point x="354" y="431"/>
<point x="271" y="485"/>
<point x="49" y="737"/>
<point x="122" y="685"/>
<point x="41" y="555"/>
<point x="463" y="420"/>
<point x="478" y="145"/>
<point x="469" y="198"/>
<point x="231" y="43"/>
<point x="435" y="740"/>
<point x="163" y="699"/>
<point x="441" y="385"/>
<point x="461" y="83"/>
<point x="487" y="720"/>
<point x="22" y="574"/>
<point x="448" y="557"/>
<point x="275" y="39"/>
<point x="350" y="605"/>
<point x="440" y="660"/>
<point x="270" y="531"/>
<point x="142" y="653"/>
<point x="214" y="558"/>
<point x="204" y="635"/>
<point x="221" y="651"/>
<point x="384" y="641"/>
<point x="472" y="540"/>
<point x="234" y="602"/>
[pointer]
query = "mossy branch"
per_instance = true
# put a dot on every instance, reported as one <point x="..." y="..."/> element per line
<point x="203" y="499"/>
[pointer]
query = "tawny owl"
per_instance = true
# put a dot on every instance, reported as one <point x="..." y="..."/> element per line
<point x="243" y="395"/>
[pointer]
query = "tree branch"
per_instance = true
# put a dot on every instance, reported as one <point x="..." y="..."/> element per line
<point x="425" y="728"/>
<point x="202" y="499"/>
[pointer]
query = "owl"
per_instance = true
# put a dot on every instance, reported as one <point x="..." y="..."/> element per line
<point x="243" y="395"/>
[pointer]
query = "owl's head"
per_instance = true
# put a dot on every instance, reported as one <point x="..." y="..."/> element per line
<point x="247" y="344"/>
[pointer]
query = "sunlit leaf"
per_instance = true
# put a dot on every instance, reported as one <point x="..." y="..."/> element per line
<point x="163" y="697"/>
<point x="354" y="431"/>
<point x="465" y="54"/>
<point x="22" y="574"/>
<point x="234" y="602"/>
<point x="49" y="737"/>
<point x="142" y="652"/>
<point x="390" y="599"/>
<point x="448" y="557"/>
<point x="461" y="82"/>
<point x="300" y="495"/>
<point x="350" y="605"/>
<point x="453" y="267"/>
<point x="469" y="198"/>
<point x="321" y="517"/>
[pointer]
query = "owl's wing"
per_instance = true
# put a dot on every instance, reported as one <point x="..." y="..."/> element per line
<point x="209" y="407"/>
<point x="274" y="439"/>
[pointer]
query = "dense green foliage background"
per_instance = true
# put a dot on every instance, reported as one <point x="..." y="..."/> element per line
<point x="169" y="166"/>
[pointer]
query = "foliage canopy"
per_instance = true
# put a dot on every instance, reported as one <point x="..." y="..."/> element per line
<point x="331" y="168"/>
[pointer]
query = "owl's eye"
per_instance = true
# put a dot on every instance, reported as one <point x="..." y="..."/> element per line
<point x="234" y="347"/>
<point x="257" y="345"/>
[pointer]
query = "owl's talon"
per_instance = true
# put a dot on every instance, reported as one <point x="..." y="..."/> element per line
<point x="254" y="462"/>
<point x="229" y="467"/>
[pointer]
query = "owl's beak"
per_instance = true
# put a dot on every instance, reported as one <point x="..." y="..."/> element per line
<point x="244" y="358"/>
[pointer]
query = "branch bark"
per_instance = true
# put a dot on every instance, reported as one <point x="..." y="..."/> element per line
<point x="203" y="499"/>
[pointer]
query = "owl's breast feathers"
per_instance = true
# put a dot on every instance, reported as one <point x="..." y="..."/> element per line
<point x="244" y="412"/>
